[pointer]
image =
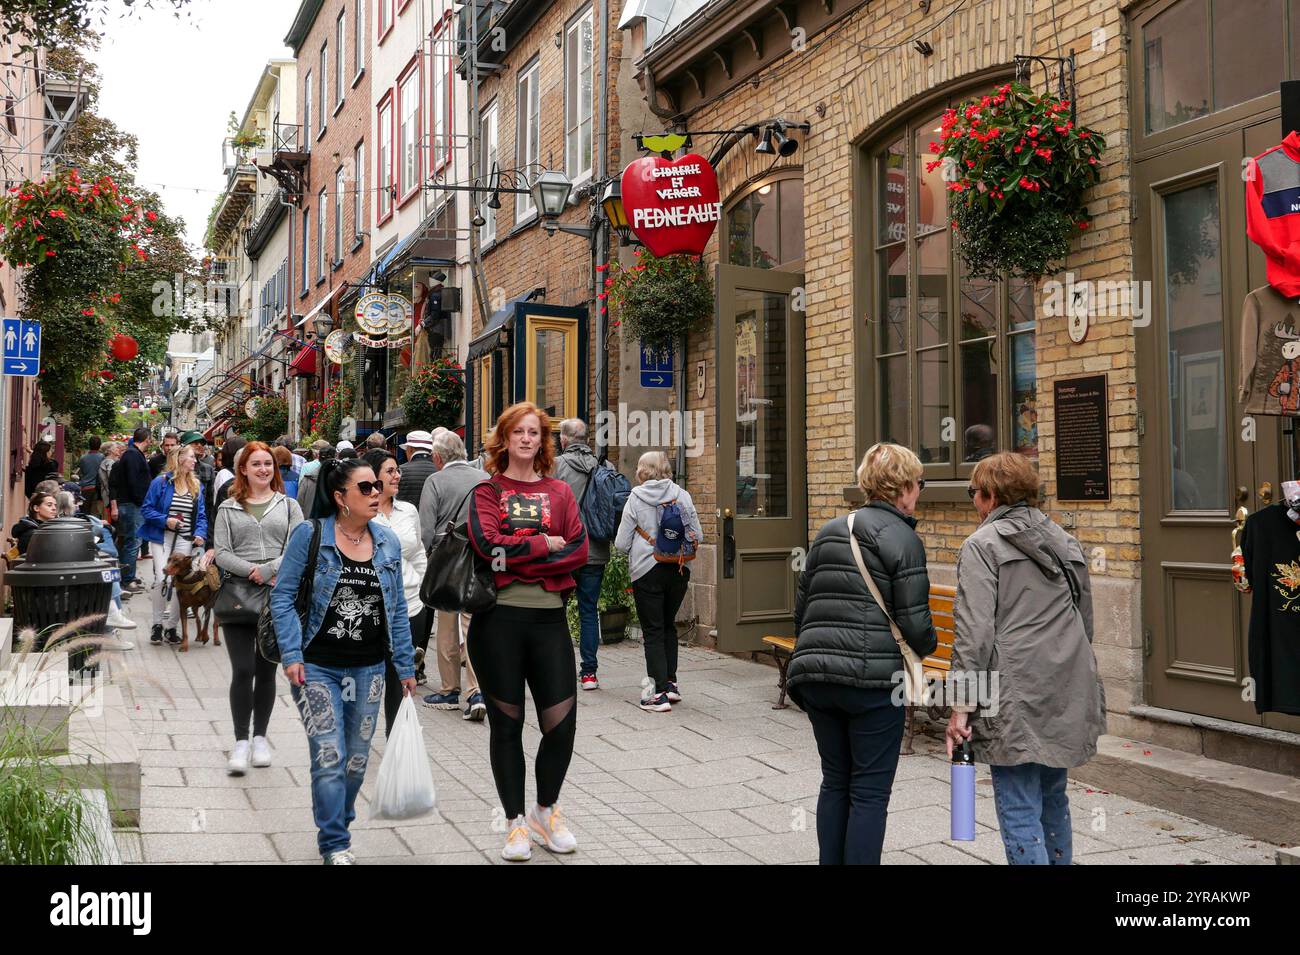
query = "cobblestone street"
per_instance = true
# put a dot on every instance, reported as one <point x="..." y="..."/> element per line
<point x="722" y="779"/>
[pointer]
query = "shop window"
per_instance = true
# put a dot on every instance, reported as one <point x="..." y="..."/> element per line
<point x="954" y="356"/>
<point x="551" y="368"/>
<point x="488" y="404"/>
<point x="1202" y="56"/>
<point x="765" y="226"/>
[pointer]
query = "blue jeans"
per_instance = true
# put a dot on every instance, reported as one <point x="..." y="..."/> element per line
<point x="106" y="546"/>
<point x="128" y="515"/>
<point x="858" y="733"/>
<point x="1033" y="814"/>
<point x="588" y="579"/>
<point x="338" y="707"/>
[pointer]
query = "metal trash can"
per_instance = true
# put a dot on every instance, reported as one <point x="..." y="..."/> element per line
<point x="62" y="578"/>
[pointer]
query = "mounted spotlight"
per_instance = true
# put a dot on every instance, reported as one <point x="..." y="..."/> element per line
<point x="784" y="144"/>
<point x="495" y="201"/>
<point x="925" y="49"/>
<point x="766" y="148"/>
<point x="478" y="221"/>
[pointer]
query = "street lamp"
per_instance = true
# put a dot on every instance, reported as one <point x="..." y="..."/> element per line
<point x="551" y="192"/>
<point x="611" y="203"/>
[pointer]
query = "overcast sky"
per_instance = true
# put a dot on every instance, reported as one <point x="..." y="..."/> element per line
<point x="173" y="82"/>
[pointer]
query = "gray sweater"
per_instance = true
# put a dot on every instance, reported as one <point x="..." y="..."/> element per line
<point x="443" y="499"/>
<point x="242" y="542"/>
<point x="642" y="511"/>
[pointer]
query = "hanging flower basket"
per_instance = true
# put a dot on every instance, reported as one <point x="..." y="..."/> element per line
<point x="659" y="300"/>
<point x="1016" y="168"/>
<point x="435" y="395"/>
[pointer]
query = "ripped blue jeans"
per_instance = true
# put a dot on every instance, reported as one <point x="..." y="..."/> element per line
<point x="338" y="706"/>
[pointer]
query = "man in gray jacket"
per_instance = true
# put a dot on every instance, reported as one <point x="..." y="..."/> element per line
<point x="445" y="500"/>
<point x="574" y="466"/>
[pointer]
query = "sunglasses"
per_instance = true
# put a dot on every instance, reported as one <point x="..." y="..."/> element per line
<point x="370" y="487"/>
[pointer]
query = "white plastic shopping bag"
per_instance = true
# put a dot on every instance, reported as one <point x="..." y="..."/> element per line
<point x="405" y="789"/>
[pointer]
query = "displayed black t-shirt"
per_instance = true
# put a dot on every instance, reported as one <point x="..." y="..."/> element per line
<point x="1272" y="554"/>
<point x="352" y="634"/>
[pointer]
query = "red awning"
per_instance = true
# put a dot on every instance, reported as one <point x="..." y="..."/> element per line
<point x="304" y="363"/>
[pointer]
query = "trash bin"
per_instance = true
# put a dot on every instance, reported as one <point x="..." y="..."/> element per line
<point x="62" y="578"/>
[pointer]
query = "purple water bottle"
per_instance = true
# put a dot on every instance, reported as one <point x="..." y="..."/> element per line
<point x="963" y="793"/>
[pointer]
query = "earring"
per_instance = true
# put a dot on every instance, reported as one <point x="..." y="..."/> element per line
<point x="347" y="511"/>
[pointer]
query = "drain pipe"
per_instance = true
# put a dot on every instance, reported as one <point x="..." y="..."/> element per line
<point x="600" y="241"/>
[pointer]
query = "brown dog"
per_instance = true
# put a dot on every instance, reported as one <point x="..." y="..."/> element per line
<point x="193" y="589"/>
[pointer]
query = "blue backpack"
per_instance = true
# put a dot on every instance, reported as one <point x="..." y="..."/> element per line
<point x="672" y="544"/>
<point x="603" y="499"/>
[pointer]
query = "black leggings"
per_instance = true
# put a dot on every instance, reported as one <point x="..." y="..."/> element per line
<point x="392" y="684"/>
<point x="252" y="681"/>
<point x="508" y="647"/>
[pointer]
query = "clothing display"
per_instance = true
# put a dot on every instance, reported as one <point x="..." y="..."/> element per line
<point x="1270" y="545"/>
<point x="1273" y="212"/>
<point x="1270" y="353"/>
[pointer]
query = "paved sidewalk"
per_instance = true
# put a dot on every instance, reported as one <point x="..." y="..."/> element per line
<point x="722" y="779"/>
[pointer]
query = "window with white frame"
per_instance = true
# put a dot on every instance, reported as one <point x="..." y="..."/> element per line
<point x="340" y="185"/>
<point x="488" y="142"/>
<point x="359" y="197"/>
<point x="324" y="84"/>
<point x="408" y="135"/>
<point x="385" y="17"/>
<point x="306" y="247"/>
<point x="440" y="97"/>
<point x="322" y="217"/>
<point x="527" y="133"/>
<point x="359" y="37"/>
<point x="306" y="112"/>
<point x="577" y="97"/>
<point x="384" y="160"/>
<point x="340" y="54"/>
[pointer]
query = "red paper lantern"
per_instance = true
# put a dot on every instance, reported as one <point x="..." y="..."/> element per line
<point x="124" y="347"/>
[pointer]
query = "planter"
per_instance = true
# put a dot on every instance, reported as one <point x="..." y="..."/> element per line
<point x="613" y="625"/>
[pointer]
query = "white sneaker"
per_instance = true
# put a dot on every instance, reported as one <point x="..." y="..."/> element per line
<point x="120" y="621"/>
<point x="119" y="644"/>
<point x="549" y="829"/>
<point x="518" y="848"/>
<point x="261" y="752"/>
<point x="343" y="857"/>
<point x="238" y="764"/>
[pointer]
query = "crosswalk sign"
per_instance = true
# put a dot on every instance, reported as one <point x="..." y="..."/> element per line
<point x="21" y="341"/>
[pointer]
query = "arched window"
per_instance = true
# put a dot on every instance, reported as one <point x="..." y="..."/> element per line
<point x="764" y="224"/>
<point x="952" y="370"/>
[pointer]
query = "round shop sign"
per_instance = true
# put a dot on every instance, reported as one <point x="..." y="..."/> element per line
<point x="400" y="314"/>
<point x="250" y="408"/>
<point x="372" y="313"/>
<point x="335" y="343"/>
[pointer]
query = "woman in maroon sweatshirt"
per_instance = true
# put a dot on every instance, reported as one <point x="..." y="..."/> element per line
<point x="528" y="526"/>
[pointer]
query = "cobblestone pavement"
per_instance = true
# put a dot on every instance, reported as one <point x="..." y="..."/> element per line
<point x="722" y="779"/>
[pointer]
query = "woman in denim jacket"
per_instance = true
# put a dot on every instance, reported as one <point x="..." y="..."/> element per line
<point x="357" y="621"/>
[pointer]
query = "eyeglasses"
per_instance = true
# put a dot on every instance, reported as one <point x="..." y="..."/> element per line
<point x="370" y="487"/>
<point x="971" y="492"/>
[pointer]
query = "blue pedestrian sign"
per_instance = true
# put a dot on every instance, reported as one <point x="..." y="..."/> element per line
<point x="656" y="367"/>
<point x="22" y="347"/>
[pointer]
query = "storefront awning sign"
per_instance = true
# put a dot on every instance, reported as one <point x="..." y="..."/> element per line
<point x="672" y="205"/>
<point x="335" y="343"/>
<point x="372" y="313"/>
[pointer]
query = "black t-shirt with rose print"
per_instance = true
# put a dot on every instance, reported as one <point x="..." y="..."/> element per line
<point x="352" y="634"/>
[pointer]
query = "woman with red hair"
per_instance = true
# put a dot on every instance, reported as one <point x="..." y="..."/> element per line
<point x="527" y="525"/>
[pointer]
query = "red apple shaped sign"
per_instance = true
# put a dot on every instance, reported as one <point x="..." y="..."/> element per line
<point x="672" y="205"/>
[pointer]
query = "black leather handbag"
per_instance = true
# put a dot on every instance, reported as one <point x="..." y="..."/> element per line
<point x="267" y="644"/>
<point x="457" y="580"/>
<point x="240" y="601"/>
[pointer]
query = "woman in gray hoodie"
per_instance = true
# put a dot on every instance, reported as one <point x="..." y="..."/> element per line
<point x="1023" y="614"/>
<point x="660" y="533"/>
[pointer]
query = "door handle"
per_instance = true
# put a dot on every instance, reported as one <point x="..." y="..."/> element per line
<point x="1265" y="494"/>
<point x="1243" y="494"/>
<point x="728" y="545"/>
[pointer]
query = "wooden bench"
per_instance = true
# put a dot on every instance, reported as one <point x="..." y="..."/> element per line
<point x="937" y="663"/>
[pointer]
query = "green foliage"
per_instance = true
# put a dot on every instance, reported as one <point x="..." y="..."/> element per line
<point x="49" y="22"/>
<point x="659" y="300"/>
<point x="325" y="417"/>
<point x="615" y="593"/>
<point x="270" y="420"/>
<point x="435" y="396"/>
<point x="1016" y="168"/>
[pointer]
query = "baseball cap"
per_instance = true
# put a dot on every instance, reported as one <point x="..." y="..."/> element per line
<point x="343" y="446"/>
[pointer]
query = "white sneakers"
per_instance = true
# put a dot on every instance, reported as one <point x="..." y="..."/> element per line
<point x="342" y="857"/>
<point x="518" y="848"/>
<point x="548" y="828"/>
<point x="238" y="763"/>
<point x="120" y="621"/>
<point x="261" y="752"/>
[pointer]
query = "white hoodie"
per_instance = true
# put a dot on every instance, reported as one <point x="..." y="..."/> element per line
<point x="643" y="511"/>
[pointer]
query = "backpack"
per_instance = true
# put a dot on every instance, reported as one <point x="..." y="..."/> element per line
<point x="671" y="543"/>
<point x="603" y="500"/>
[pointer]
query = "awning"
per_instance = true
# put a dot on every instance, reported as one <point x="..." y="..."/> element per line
<point x="304" y="363"/>
<point x="319" y="305"/>
<point x="502" y="319"/>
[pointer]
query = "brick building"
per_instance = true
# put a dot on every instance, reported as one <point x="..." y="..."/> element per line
<point x="896" y="342"/>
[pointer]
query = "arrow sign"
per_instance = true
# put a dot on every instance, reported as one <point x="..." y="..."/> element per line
<point x="656" y="367"/>
<point x="21" y="341"/>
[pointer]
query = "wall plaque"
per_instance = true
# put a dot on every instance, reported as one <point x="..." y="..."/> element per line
<point x="1082" y="439"/>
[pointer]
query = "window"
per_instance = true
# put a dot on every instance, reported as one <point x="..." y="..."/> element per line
<point x="385" y="18"/>
<point x="577" y="98"/>
<point x="340" y="69"/>
<point x="487" y="400"/>
<point x="765" y="228"/>
<point x="324" y="85"/>
<point x="953" y="356"/>
<point x="408" y="134"/>
<point x="359" y="37"/>
<point x="340" y="184"/>
<point x="359" y="197"/>
<point x="306" y="112"/>
<point x="551" y="365"/>
<point x="322" y="216"/>
<point x="306" y="245"/>
<point x="440" y="97"/>
<point x="528" y="133"/>
<point x="488" y="143"/>
<point x="384" y="161"/>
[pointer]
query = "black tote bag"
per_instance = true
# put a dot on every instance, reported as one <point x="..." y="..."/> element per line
<point x="457" y="580"/>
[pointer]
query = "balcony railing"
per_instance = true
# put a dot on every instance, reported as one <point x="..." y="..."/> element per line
<point x="287" y="138"/>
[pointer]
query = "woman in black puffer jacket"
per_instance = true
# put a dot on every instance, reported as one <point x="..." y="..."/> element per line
<point x="846" y="663"/>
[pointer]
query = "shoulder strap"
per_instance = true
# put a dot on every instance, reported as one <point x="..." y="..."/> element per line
<point x="871" y="584"/>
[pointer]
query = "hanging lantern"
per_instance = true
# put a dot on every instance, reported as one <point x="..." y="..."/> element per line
<point x="124" y="347"/>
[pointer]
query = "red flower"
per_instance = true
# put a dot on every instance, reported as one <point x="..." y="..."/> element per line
<point x="151" y="216"/>
<point x="935" y="147"/>
<point x="1083" y="225"/>
<point x="49" y="253"/>
<point x="88" y="311"/>
<point x="58" y="214"/>
<point x="602" y="267"/>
